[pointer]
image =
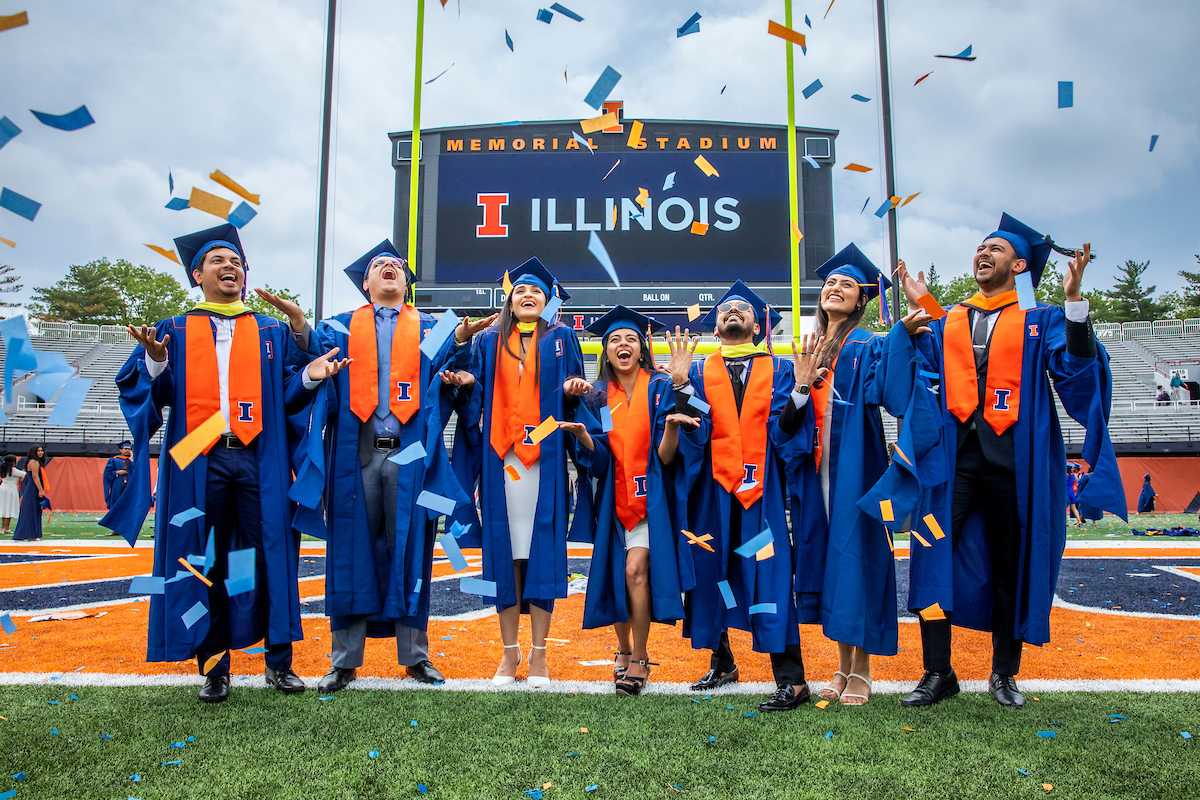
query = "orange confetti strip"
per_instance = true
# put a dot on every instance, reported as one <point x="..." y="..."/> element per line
<point x="549" y="425"/>
<point x="910" y="730"/>
<point x="233" y="186"/>
<point x="198" y="441"/>
<point x="217" y="206"/>
<point x="213" y="661"/>
<point x="831" y="2"/>
<point x="610" y="172"/>
<point x="934" y="528"/>
<point x="693" y="312"/>
<point x="512" y="472"/>
<point x="614" y="216"/>
<point x="699" y="228"/>
<point x="597" y="123"/>
<point x="706" y="167"/>
<point x="895" y="200"/>
<point x="642" y="198"/>
<point x="192" y="570"/>
<point x="919" y="538"/>
<point x="785" y="33"/>
<point x="766" y="552"/>
<point x="700" y="540"/>
<point x="635" y="134"/>
<point x="164" y="252"/>
<point x="583" y="730"/>
<point x="909" y="199"/>
<point x="934" y="612"/>
<point x="821" y="704"/>
<point x="546" y="785"/>
<point x="797" y="235"/>
<point x="14" y="21"/>
<point x="900" y="453"/>
<point x="932" y="307"/>
<point x="507" y="284"/>
<point x="1047" y="787"/>
<point x="885" y="511"/>
<point x="923" y="77"/>
<point x="8" y="242"/>
<point x="857" y="168"/>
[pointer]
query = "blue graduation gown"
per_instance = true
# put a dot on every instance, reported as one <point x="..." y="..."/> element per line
<point x="1146" y="499"/>
<point x="1088" y="512"/>
<point x="284" y="414"/>
<point x="359" y="579"/>
<point x="708" y="507"/>
<point x="845" y="571"/>
<point x="476" y="463"/>
<point x="114" y="484"/>
<point x="1084" y="386"/>
<point x="605" y="602"/>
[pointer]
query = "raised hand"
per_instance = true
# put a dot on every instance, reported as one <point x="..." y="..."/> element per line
<point x="292" y="311"/>
<point x="677" y="419"/>
<point x="917" y="322"/>
<point x="459" y="378"/>
<point x="576" y="386"/>
<point x="914" y="290"/>
<point x="579" y="431"/>
<point x="1073" y="280"/>
<point x="145" y="337"/>
<point x="466" y="329"/>
<point x="327" y="366"/>
<point x="807" y="361"/>
<point x="681" y="354"/>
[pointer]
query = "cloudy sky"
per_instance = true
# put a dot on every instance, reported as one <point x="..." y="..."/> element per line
<point x="236" y="85"/>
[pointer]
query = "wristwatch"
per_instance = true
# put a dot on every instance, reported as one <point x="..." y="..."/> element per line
<point x="803" y="389"/>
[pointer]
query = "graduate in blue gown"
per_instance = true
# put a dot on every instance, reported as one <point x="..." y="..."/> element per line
<point x="733" y="484"/>
<point x="844" y="558"/>
<point x="220" y="358"/>
<point x="635" y="576"/>
<point x="999" y="366"/>
<point x="1146" y="498"/>
<point x="1087" y="513"/>
<point x="379" y="561"/>
<point x="116" y="474"/>
<point x="525" y="369"/>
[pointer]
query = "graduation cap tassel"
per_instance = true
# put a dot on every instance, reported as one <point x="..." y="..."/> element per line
<point x="770" y="346"/>
<point x="885" y="311"/>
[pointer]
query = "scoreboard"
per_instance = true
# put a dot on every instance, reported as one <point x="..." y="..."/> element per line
<point x="492" y="196"/>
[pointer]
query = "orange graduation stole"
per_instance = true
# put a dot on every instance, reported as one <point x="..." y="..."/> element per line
<point x="245" y="376"/>
<point x="629" y="441"/>
<point x="516" y="401"/>
<point x="1002" y="394"/>
<point x="739" y="441"/>
<point x="404" y="398"/>
<point x="820" y="398"/>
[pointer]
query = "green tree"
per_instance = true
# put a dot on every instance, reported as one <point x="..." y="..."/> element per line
<point x="1129" y="300"/>
<point x="88" y="294"/>
<point x="1186" y="303"/>
<point x="149" y="295"/>
<point x="933" y="282"/>
<point x="1050" y="287"/>
<point x="260" y="306"/>
<point x="958" y="289"/>
<point x="9" y="280"/>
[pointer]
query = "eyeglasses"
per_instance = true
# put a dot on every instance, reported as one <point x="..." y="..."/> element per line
<point x="739" y="305"/>
<point x="398" y="263"/>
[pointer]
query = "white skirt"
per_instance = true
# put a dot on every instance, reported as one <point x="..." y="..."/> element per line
<point x="521" y="498"/>
<point x="10" y="500"/>
<point x="639" y="536"/>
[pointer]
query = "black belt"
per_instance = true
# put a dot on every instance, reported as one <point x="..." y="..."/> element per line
<point x="386" y="442"/>
<point x="232" y="442"/>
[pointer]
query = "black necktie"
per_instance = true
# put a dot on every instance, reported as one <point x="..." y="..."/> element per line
<point x="979" y="337"/>
<point x="736" y="371"/>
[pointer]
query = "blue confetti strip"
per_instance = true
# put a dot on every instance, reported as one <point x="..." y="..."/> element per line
<point x="193" y="615"/>
<point x="241" y="215"/>
<point x="602" y="88"/>
<point x="544" y="15"/>
<point x="147" y="584"/>
<point x="9" y="129"/>
<point x="409" y="454"/>
<point x="758" y="542"/>
<point x="19" y="204"/>
<point x="566" y="12"/>
<point x="70" y="401"/>
<point x="691" y="26"/>
<point x="860" y="98"/>
<point x="177" y="204"/>
<point x="1066" y="94"/>
<point x="439" y="333"/>
<point x="436" y="502"/>
<point x="71" y="121"/>
<point x="811" y="89"/>
<point x="1153" y="140"/>
<point x="450" y="545"/>
<point x="184" y="516"/>
<point x="508" y="40"/>
<point x="727" y="594"/>
<point x="477" y="586"/>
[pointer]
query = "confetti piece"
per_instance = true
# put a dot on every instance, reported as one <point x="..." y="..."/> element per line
<point x="610" y="172"/>
<point x="885" y="511"/>
<point x="512" y="472"/>
<point x="229" y="183"/>
<point x="253" y="651"/>
<point x="413" y="724"/>
<point x="602" y="88"/>
<point x="919" y="538"/>
<point x="14" y="21"/>
<point x="811" y="89"/>
<point x="606" y="423"/>
<point x="19" y="204"/>
<point x="766" y="552"/>
<point x="458" y="529"/>
<point x="691" y="26"/>
<point x="785" y="33"/>
<point x="931" y="306"/>
<point x="9" y="129"/>
<point x="923" y="77"/>
<point x="549" y="425"/>
<point x="635" y="135"/>
<point x="673" y="787"/>
<point x="164" y="252"/>
<point x="436" y="502"/>
<point x="171" y="763"/>
<point x="596" y="248"/>
<point x="575" y="135"/>
<point x="594" y="124"/>
<point x="507" y="284"/>
<point x="860" y="98"/>
<point x="184" y="516"/>
<point x="763" y="608"/>
<point x="857" y="168"/>
<point x="210" y="203"/>
<point x="544" y="15"/>
<point x="797" y="234"/>
<point x="69" y="402"/>
<point x="864" y="207"/>
<point x="706" y="167"/>
<point x="566" y="12"/>
<point x="199" y="440"/>
<point x="1185" y="734"/>
<point x="591" y="788"/>
<point x="440" y="74"/>
<point x="1026" y="299"/>
<point x="373" y="754"/>
<point x="212" y="662"/>
<point x="965" y="55"/>
<point x="409" y="454"/>
<point x="727" y="594"/>
<point x="177" y="204"/>
<point x="934" y="612"/>
<point x="831" y="2"/>
<point x="885" y="208"/>
<point x="242" y="215"/>
<point x="71" y="121"/>
<point x="1153" y="141"/>
<point x="812" y="162"/>
<point x="1048" y="787"/>
<point x="146" y="584"/>
<point x="195" y="572"/>
<point x="242" y="574"/>
<point x="8" y="242"/>
<point x="821" y="704"/>
<point x="422" y="788"/>
<point x="193" y="614"/>
<point x="1066" y="94"/>
<point x="756" y="543"/>
<point x="479" y="587"/>
<point x="698" y="404"/>
<point x="829" y="734"/>
<point x="444" y="328"/>
<point x="693" y="311"/>
<point x="934" y="528"/>
<point x="702" y="541"/>
<point x="7" y="624"/>
<point x="700" y="228"/>
<point x="508" y="40"/>
<point x="909" y="199"/>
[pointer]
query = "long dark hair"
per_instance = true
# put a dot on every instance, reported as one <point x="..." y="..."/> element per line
<point x="833" y="346"/>
<point x="645" y="360"/>
<point x="506" y="323"/>
<point x="33" y="456"/>
<point x="6" y="468"/>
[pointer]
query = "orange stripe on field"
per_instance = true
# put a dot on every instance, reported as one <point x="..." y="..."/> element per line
<point x="132" y="562"/>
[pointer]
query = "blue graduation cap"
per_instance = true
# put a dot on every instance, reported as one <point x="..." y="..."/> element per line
<point x="193" y="247"/>
<point x="622" y="317"/>
<point x="853" y="264"/>
<point x="125" y="443"/>
<point x="357" y="272"/>
<point x="740" y="291"/>
<point x="1029" y="244"/>
<point x="534" y="272"/>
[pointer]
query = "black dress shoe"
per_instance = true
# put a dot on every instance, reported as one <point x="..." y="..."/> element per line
<point x="785" y="698"/>
<point x="714" y="679"/>
<point x="284" y="680"/>
<point x="336" y="679"/>
<point x="934" y="686"/>
<point x="426" y="672"/>
<point x="216" y="689"/>
<point x="1004" y="689"/>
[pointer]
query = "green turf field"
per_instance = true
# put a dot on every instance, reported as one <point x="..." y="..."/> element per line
<point x="481" y="745"/>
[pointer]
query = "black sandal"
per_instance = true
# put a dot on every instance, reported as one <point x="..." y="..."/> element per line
<point x="632" y="687"/>
<point x="619" y="672"/>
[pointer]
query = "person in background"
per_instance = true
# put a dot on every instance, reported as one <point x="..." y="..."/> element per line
<point x="1146" y="498"/>
<point x="34" y="490"/>
<point x="10" y="493"/>
<point x="1178" y="393"/>
<point x="1073" y="471"/>
<point x="116" y="476"/>
<point x="1087" y="513"/>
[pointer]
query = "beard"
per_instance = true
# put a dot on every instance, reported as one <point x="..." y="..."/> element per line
<point x="736" y="328"/>
<point x="1000" y="275"/>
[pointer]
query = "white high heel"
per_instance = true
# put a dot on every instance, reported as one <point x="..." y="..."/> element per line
<point x="538" y="681"/>
<point x="505" y="680"/>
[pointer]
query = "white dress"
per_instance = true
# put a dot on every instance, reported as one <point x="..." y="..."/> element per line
<point x="10" y="498"/>
<point x="520" y="498"/>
